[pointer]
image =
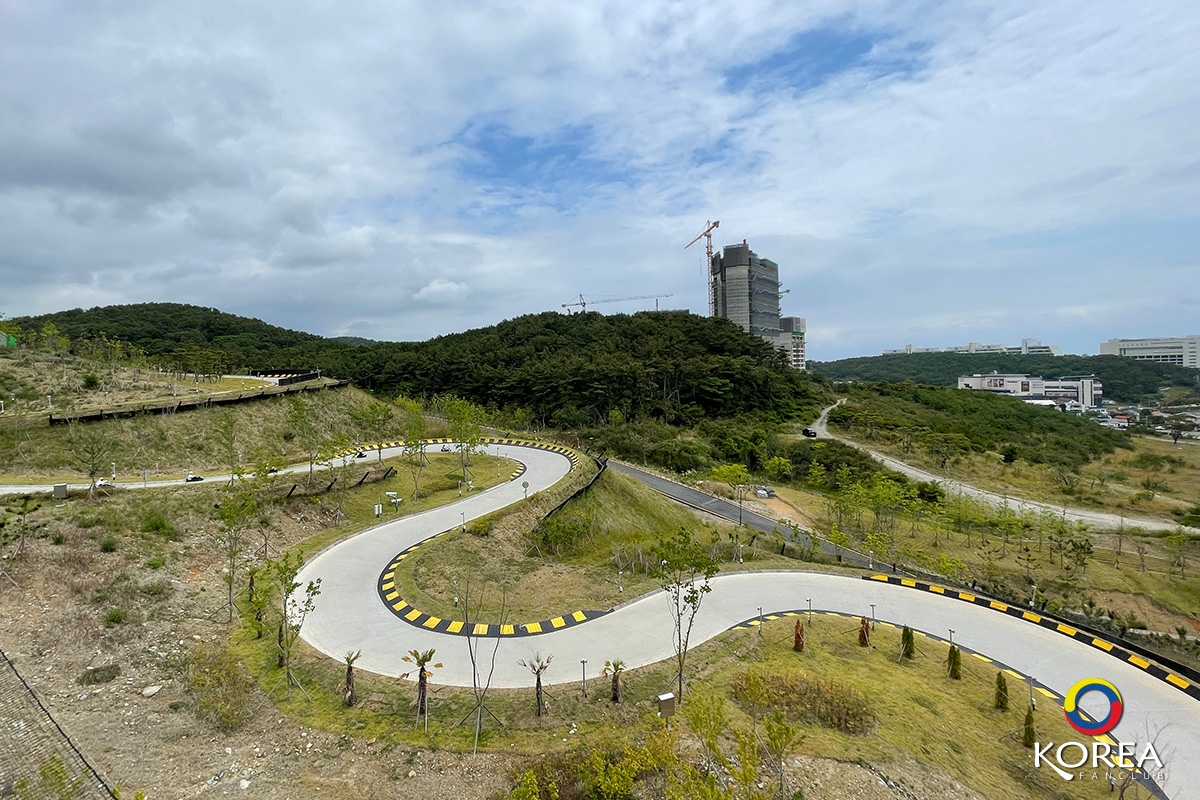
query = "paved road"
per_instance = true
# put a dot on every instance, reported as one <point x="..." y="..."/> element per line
<point x="349" y="616"/>
<point x="1096" y="519"/>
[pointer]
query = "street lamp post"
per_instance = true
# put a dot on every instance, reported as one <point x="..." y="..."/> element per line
<point x="951" y="635"/>
<point x="760" y="620"/>
<point x="872" y="616"/>
<point x="809" y="610"/>
<point x="583" y="686"/>
<point x="620" y="584"/>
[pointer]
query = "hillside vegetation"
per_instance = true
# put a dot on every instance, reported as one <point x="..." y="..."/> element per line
<point x="542" y="369"/>
<point x="1125" y="380"/>
<point x="955" y="420"/>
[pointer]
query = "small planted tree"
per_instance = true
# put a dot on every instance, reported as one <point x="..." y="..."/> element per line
<point x="737" y="478"/>
<point x="537" y="665"/>
<point x="614" y="669"/>
<point x="864" y="632"/>
<point x="421" y="661"/>
<point x="293" y="608"/>
<point x="908" y="644"/>
<point x="350" y="694"/>
<point x="1028" y="734"/>
<point x="954" y="664"/>
<point x="780" y="738"/>
<point x="798" y="637"/>
<point x="684" y="571"/>
<point x="414" y="432"/>
<point x="1000" y="699"/>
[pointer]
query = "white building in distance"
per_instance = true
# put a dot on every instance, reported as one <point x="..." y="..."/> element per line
<point x="1027" y="347"/>
<point x="1084" y="389"/>
<point x="1182" y="351"/>
<point x="795" y="326"/>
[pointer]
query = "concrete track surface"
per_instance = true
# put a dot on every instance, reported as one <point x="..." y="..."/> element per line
<point x="350" y="616"/>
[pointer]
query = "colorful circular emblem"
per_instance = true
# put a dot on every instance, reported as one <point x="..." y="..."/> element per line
<point x="1075" y="714"/>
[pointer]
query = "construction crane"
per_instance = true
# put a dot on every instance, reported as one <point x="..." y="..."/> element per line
<point x="710" y="226"/>
<point x="583" y="302"/>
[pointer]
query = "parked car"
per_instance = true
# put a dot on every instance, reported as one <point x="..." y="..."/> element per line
<point x="810" y="433"/>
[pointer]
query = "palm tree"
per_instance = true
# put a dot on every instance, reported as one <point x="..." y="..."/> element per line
<point x="615" y="668"/>
<point x="421" y="660"/>
<point x="351" y="695"/>
<point x="537" y="665"/>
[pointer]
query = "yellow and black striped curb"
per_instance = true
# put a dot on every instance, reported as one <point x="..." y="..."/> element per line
<point x="419" y="619"/>
<point x="1180" y="683"/>
<point x="1040" y="688"/>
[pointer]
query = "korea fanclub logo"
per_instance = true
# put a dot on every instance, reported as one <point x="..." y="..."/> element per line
<point x="1074" y="760"/>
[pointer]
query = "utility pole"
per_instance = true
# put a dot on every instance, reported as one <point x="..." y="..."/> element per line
<point x="709" y="227"/>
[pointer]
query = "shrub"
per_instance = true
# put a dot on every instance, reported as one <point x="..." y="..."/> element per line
<point x="220" y="687"/>
<point x="157" y="562"/>
<point x="114" y="617"/>
<point x="809" y="698"/>
<point x="108" y="544"/>
<point x="154" y="522"/>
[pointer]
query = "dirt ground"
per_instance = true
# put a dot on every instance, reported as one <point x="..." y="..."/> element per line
<point x="139" y="737"/>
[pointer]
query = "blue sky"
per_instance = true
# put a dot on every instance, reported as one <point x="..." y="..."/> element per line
<point x="923" y="172"/>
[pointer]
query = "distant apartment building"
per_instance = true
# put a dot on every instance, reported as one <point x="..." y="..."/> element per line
<point x="1027" y="347"/>
<point x="795" y="328"/>
<point x="746" y="292"/>
<point x="1182" y="351"/>
<point x="1082" y="389"/>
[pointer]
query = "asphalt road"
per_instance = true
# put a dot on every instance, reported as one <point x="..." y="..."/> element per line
<point x="350" y="616"/>
<point x="1096" y="519"/>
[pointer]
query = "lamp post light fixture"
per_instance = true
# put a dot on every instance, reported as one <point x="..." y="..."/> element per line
<point x="620" y="584"/>
<point x="871" y="558"/>
<point x="455" y="593"/>
<point x="1033" y="600"/>
<point x="872" y="616"/>
<point x="809" y="610"/>
<point x="583" y="686"/>
<point x="760" y="620"/>
<point x="951" y="635"/>
<point x="463" y="514"/>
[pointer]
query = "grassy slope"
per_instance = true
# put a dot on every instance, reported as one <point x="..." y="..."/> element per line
<point x="624" y="519"/>
<point x="170" y="444"/>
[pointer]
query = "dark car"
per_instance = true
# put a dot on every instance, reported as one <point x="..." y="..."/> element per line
<point x="810" y="433"/>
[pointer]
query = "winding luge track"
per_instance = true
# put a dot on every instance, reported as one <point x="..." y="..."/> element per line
<point x="351" y="615"/>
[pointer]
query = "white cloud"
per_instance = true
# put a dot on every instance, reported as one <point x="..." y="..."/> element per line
<point x="319" y="168"/>
<point x="440" y="291"/>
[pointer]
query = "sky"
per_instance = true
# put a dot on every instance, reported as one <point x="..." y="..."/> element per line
<point x="927" y="173"/>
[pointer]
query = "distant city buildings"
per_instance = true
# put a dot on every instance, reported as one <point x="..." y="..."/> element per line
<point x="746" y="292"/>
<point x="1182" y="351"/>
<point x="795" y="327"/>
<point x="1083" y="390"/>
<point x="1028" y="347"/>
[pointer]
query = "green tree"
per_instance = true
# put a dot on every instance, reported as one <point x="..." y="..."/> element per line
<point x="414" y="432"/>
<point x="684" y="572"/>
<point x="303" y="427"/>
<point x="779" y="469"/>
<point x="780" y="738"/>
<point x="466" y="428"/>
<point x="945" y="446"/>
<point x="1000" y="698"/>
<point x="737" y="478"/>
<point x="1176" y="543"/>
<point x="294" y="607"/>
<point x="615" y="668"/>
<point x="235" y="512"/>
<point x="1028" y="734"/>
<point x="374" y="420"/>
<point x="954" y="664"/>
<point x="91" y="449"/>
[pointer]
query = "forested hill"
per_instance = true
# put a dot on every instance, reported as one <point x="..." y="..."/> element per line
<point x="162" y="329"/>
<point x="559" y="370"/>
<point x="1124" y="379"/>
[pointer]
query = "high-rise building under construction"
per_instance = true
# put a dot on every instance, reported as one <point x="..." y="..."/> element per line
<point x="746" y="292"/>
